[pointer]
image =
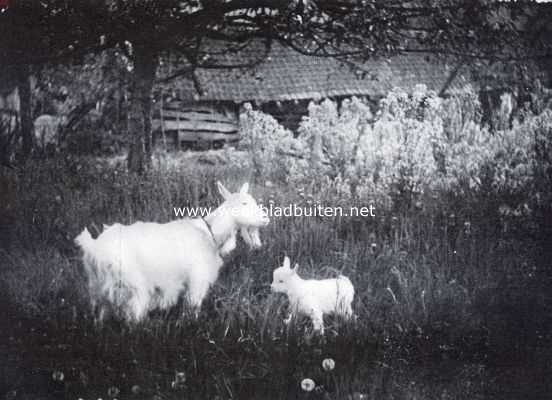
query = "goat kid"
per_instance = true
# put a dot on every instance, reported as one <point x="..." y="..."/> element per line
<point x="313" y="297"/>
<point x="154" y="262"/>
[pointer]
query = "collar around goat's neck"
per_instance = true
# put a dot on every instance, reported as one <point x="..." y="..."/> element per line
<point x="217" y="245"/>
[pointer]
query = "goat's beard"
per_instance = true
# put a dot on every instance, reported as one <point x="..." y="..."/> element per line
<point x="251" y="236"/>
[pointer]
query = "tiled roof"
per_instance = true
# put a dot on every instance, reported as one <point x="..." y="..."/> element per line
<point x="288" y="75"/>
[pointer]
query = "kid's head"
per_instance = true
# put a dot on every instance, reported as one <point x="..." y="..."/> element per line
<point x="281" y="277"/>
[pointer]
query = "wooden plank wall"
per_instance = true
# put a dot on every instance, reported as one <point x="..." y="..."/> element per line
<point x="190" y="124"/>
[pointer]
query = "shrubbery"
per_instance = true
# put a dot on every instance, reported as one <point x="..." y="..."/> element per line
<point x="273" y="150"/>
<point x="416" y="143"/>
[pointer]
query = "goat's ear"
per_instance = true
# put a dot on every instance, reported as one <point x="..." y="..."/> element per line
<point x="287" y="263"/>
<point x="245" y="188"/>
<point x="223" y="191"/>
<point x="295" y="267"/>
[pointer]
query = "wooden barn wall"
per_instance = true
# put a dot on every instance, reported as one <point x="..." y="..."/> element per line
<point x="180" y="123"/>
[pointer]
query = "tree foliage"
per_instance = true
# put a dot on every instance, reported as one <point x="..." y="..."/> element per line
<point x="201" y="33"/>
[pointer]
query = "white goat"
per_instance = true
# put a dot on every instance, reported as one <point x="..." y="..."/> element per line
<point x="152" y="261"/>
<point x="314" y="297"/>
<point x="46" y="130"/>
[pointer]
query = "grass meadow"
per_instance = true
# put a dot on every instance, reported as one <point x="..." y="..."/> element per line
<point x="452" y="297"/>
<point x="452" y="275"/>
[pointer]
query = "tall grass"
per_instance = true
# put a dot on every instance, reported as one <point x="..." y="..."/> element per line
<point x="419" y="275"/>
<point x="451" y="273"/>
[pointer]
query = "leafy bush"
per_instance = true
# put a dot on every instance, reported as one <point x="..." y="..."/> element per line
<point x="397" y="152"/>
<point x="274" y="152"/>
<point x="416" y="143"/>
<point x="332" y="135"/>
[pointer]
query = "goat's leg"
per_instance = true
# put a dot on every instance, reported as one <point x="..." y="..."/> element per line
<point x="229" y="245"/>
<point x="348" y="312"/>
<point x="196" y="293"/>
<point x="137" y="309"/>
<point x="317" y="321"/>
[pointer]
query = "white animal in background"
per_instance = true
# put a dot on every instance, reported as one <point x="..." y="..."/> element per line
<point x="153" y="263"/>
<point x="46" y="130"/>
<point x="313" y="297"/>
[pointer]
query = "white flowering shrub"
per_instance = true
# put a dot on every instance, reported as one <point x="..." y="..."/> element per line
<point x="463" y="156"/>
<point x="421" y="142"/>
<point x="332" y="135"/>
<point x="416" y="143"/>
<point x="461" y="111"/>
<point x="499" y="162"/>
<point x="513" y="154"/>
<point x="397" y="151"/>
<point x="273" y="151"/>
<point x="523" y="159"/>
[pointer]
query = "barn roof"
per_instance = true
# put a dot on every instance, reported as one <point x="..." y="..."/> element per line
<point x="289" y="75"/>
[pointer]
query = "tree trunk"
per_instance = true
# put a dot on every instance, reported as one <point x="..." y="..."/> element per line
<point x="25" y="109"/>
<point x="139" y="113"/>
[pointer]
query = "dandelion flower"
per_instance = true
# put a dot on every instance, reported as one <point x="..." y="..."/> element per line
<point x="179" y="380"/>
<point x="307" y="385"/>
<point x="58" y="376"/>
<point x="180" y="377"/>
<point x="328" y="364"/>
<point x="113" y="391"/>
<point x="135" y="389"/>
<point x="373" y="247"/>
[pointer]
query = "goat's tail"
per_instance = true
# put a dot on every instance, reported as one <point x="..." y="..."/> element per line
<point x="347" y="285"/>
<point x="346" y="296"/>
<point x="85" y="241"/>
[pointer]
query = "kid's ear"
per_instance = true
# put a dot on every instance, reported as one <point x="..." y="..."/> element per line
<point x="245" y="188"/>
<point x="223" y="191"/>
<point x="287" y="263"/>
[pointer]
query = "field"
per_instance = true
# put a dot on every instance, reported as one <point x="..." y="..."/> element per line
<point x="452" y="290"/>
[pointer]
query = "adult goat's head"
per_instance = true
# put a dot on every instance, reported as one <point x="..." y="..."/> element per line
<point x="244" y="212"/>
